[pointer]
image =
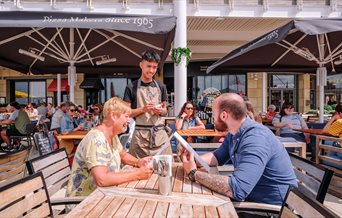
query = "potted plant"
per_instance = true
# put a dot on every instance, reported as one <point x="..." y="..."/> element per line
<point x="178" y="53"/>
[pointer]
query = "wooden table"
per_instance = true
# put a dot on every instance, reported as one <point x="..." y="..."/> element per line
<point x="201" y="132"/>
<point x="141" y="199"/>
<point x="67" y="140"/>
<point x="313" y="131"/>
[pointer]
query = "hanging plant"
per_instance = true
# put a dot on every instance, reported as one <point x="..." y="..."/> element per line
<point x="177" y="53"/>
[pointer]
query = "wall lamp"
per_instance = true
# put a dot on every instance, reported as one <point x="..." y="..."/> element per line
<point x="105" y="60"/>
<point x="31" y="53"/>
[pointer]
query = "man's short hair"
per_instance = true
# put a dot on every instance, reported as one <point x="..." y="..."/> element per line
<point x="15" y="104"/>
<point x="116" y="105"/>
<point x="150" y="55"/>
<point x="338" y="108"/>
<point x="234" y="104"/>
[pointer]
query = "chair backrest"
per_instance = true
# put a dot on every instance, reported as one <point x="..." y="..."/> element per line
<point x="297" y="204"/>
<point x="55" y="168"/>
<point x="12" y="165"/>
<point x="26" y="197"/>
<point x="31" y="126"/>
<point x="313" y="179"/>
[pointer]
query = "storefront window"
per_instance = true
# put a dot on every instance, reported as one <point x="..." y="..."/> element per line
<point x="224" y="83"/>
<point x="30" y="92"/>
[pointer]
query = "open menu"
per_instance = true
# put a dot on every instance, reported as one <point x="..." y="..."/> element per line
<point x="188" y="147"/>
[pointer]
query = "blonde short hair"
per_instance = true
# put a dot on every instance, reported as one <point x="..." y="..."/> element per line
<point x="116" y="105"/>
<point x="272" y="106"/>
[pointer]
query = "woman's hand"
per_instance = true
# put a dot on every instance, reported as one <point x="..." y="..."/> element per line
<point x="183" y="115"/>
<point x="143" y="162"/>
<point x="290" y="125"/>
<point x="144" y="172"/>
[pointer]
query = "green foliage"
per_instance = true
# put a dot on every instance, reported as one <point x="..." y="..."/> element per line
<point x="177" y="53"/>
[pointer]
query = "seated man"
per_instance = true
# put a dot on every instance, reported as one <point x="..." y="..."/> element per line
<point x="20" y="118"/>
<point x="262" y="168"/>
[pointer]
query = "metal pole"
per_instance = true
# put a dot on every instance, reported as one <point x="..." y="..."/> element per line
<point x="72" y="68"/>
<point x="180" y="70"/>
<point x="321" y="75"/>
<point x="59" y="82"/>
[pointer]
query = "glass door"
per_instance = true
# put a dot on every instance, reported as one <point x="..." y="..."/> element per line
<point x="279" y="96"/>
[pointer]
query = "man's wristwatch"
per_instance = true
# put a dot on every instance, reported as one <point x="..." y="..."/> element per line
<point x="191" y="175"/>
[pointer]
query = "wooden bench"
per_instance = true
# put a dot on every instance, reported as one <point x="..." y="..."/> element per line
<point x="297" y="204"/>
<point x="26" y="197"/>
<point x="313" y="180"/>
<point x="323" y="149"/>
<point x="12" y="165"/>
<point x="56" y="172"/>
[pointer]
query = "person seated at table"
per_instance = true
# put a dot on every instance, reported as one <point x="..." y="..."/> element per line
<point x="271" y="112"/>
<point x="188" y="119"/>
<point x="100" y="154"/>
<point x="286" y="120"/>
<point x="334" y="127"/>
<point x="262" y="168"/>
<point x="20" y="118"/>
<point x="97" y="115"/>
<point x="70" y="121"/>
<point x="81" y="110"/>
<point x="31" y="111"/>
<point x="251" y="112"/>
<point x="57" y="118"/>
<point x="51" y="111"/>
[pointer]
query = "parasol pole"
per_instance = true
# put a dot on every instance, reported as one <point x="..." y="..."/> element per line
<point x="72" y="68"/>
<point x="59" y="82"/>
<point x="321" y="77"/>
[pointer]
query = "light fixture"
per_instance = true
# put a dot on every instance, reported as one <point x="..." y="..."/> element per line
<point x="339" y="61"/>
<point x="105" y="60"/>
<point x="254" y="76"/>
<point x="305" y="53"/>
<point x="31" y="53"/>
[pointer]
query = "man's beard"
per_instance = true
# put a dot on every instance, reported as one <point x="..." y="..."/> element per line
<point x="220" y="125"/>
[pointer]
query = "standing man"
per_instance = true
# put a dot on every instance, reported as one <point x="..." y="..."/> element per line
<point x="262" y="168"/>
<point x="147" y="98"/>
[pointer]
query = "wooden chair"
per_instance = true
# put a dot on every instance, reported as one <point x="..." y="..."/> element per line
<point x="56" y="172"/>
<point x="313" y="179"/>
<point x="322" y="151"/>
<point x="26" y="197"/>
<point x="12" y="165"/>
<point x="297" y="204"/>
<point x="31" y="126"/>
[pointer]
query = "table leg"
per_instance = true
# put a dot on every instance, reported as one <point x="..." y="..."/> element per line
<point x="68" y="144"/>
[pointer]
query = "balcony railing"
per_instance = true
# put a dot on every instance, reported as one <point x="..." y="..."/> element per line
<point x="230" y="4"/>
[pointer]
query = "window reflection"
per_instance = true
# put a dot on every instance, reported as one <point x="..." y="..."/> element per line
<point x="30" y="92"/>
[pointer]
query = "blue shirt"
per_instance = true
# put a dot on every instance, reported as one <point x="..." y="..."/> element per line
<point x="262" y="167"/>
<point x="192" y="122"/>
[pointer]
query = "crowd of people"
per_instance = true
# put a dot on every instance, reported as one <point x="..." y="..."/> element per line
<point x="262" y="168"/>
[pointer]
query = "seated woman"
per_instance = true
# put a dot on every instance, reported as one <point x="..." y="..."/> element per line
<point x="286" y="120"/>
<point x="31" y="111"/>
<point x="271" y="112"/>
<point x="251" y="112"/>
<point x="70" y="121"/>
<point x="100" y="154"/>
<point x="97" y="115"/>
<point x="187" y="119"/>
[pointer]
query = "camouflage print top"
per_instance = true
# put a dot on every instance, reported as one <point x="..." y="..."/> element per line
<point x="92" y="151"/>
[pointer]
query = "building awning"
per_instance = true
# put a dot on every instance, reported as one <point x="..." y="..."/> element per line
<point x="64" y="86"/>
<point x="92" y="83"/>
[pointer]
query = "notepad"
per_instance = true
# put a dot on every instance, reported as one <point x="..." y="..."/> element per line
<point x="188" y="147"/>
